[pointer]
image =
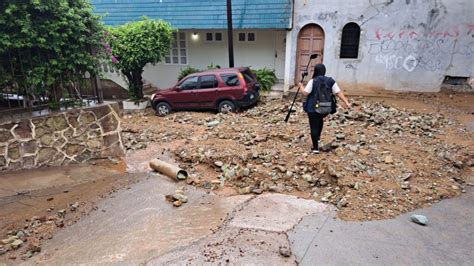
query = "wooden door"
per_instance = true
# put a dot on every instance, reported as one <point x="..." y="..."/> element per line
<point x="310" y="41"/>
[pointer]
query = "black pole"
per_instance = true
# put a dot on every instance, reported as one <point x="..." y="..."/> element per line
<point x="230" y="37"/>
<point x="303" y="75"/>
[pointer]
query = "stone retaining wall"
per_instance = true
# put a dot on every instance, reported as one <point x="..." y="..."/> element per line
<point x="73" y="136"/>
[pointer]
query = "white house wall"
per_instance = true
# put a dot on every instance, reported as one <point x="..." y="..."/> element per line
<point x="268" y="50"/>
<point x="404" y="44"/>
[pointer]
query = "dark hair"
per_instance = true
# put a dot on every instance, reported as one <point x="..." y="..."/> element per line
<point x="319" y="70"/>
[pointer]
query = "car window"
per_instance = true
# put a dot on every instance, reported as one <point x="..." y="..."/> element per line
<point x="208" y="82"/>
<point x="230" y="79"/>
<point x="189" y="84"/>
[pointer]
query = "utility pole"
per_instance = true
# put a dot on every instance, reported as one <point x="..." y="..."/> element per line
<point x="230" y="37"/>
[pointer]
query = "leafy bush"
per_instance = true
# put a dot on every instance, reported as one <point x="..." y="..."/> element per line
<point x="212" y="66"/>
<point x="135" y="44"/>
<point x="266" y="77"/>
<point x="186" y="71"/>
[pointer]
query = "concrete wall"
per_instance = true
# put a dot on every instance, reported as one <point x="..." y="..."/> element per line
<point x="72" y="136"/>
<point x="267" y="51"/>
<point x="404" y="45"/>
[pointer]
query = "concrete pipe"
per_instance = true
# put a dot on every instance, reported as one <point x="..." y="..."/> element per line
<point x="168" y="169"/>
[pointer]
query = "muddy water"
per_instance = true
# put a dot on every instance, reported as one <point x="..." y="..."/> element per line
<point x="138" y="224"/>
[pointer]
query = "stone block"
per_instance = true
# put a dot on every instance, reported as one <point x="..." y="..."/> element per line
<point x="73" y="149"/>
<point x="14" y="151"/>
<point x="45" y="155"/>
<point x="46" y="140"/>
<point x="40" y="131"/>
<point x="7" y="126"/>
<point x="93" y="133"/>
<point x="72" y="119"/>
<point x="14" y="165"/>
<point x="23" y="130"/>
<point x="109" y="123"/>
<point x="84" y="156"/>
<point x="101" y="111"/>
<point x="57" y="123"/>
<point x="5" y="135"/>
<point x="110" y="140"/>
<point x="69" y="133"/>
<point x="29" y="162"/>
<point x="59" y="142"/>
<point x="94" y="144"/>
<point x="28" y="147"/>
<point x="38" y="121"/>
<point x="114" y="151"/>
<point x="115" y="108"/>
<point x="86" y="118"/>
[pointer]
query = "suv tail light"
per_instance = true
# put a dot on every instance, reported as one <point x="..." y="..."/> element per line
<point x="241" y="76"/>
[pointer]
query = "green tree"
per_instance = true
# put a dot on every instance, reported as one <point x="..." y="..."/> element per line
<point x="47" y="44"/>
<point x="136" y="44"/>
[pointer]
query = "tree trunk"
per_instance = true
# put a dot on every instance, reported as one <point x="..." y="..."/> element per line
<point x="138" y="83"/>
<point x="135" y="83"/>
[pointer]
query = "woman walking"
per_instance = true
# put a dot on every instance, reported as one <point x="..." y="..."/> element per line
<point x="317" y="86"/>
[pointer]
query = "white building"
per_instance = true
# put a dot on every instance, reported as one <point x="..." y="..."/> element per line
<point x="413" y="45"/>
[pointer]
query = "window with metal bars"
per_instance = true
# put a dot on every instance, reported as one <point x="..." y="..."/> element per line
<point x="350" y="41"/>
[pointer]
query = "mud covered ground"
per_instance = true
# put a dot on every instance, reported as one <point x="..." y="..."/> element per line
<point x="386" y="156"/>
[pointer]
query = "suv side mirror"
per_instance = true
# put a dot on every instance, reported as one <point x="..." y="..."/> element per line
<point x="178" y="88"/>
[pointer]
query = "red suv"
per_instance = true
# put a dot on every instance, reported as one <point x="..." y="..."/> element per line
<point x="223" y="90"/>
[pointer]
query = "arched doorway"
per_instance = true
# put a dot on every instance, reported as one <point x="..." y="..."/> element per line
<point x="310" y="41"/>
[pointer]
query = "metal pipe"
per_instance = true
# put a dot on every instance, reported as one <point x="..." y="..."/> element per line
<point x="168" y="169"/>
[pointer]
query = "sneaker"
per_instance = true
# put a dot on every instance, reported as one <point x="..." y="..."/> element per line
<point x="315" y="151"/>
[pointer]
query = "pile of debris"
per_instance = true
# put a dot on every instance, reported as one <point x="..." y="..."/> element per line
<point x="380" y="161"/>
<point x="28" y="239"/>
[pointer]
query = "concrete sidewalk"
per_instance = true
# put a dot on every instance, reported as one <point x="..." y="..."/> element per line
<point x="448" y="239"/>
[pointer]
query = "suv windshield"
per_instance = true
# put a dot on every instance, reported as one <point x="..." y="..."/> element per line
<point x="248" y="76"/>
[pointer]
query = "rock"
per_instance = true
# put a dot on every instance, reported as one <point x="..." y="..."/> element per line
<point x="74" y="206"/>
<point x="177" y="203"/>
<point x="341" y="203"/>
<point x="61" y="213"/>
<point x="357" y="186"/>
<point x="3" y="250"/>
<point x="245" y="172"/>
<point x="284" y="251"/>
<point x="364" y="152"/>
<point x="405" y="185"/>
<point x="180" y="197"/>
<point x="9" y="240"/>
<point x="213" y="123"/>
<point x="340" y="136"/>
<point x="245" y="190"/>
<point x="16" y="244"/>
<point x="388" y="159"/>
<point x="307" y="177"/>
<point x="34" y="247"/>
<point x="405" y="177"/>
<point x="257" y="191"/>
<point x="419" y="219"/>
<point x="218" y="163"/>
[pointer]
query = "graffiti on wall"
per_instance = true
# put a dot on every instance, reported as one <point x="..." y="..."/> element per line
<point x="411" y="49"/>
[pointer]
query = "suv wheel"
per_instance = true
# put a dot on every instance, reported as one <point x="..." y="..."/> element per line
<point x="226" y="107"/>
<point x="163" y="109"/>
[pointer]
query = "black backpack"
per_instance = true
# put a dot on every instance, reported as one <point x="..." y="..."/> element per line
<point x="324" y="100"/>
